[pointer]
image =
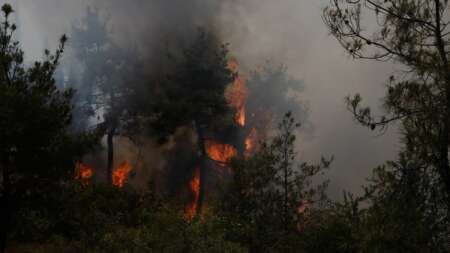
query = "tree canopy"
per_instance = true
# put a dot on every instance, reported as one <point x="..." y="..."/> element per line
<point x="37" y="148"/>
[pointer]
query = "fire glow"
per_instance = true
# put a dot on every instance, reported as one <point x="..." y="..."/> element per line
<point x="237" y="94"/>
<point x="220" y="152"/>
<point x="251" y="142"/>
<point x="195" y="189"/>
<point x="120" y="174"/>
<point x="83" y="172"/>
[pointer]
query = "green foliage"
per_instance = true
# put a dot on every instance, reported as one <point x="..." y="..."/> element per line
<point x="269" y="197"/>
<point x="194" y="90"/>
<point x="412" y="33"/>
<point x="101" y="218"/>
<point x="332" y="229"/>
<point x="406" y="212"/>
<point x="397" y="213"/>
<point x="273" y="202"/>
<point x="192" y="95"/>
<point x="37" y="149"/>
<point x="410" y="197"/>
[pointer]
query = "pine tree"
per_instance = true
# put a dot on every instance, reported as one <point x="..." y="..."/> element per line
<point x="109" y="77"/>
<point x="272" y="191"/>
<point x="193" y="96"/>
<point x="37" y="149"/>
<point x="414" y="34"/>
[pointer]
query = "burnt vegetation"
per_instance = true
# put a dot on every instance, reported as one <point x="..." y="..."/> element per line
<point x="193" y="152"/>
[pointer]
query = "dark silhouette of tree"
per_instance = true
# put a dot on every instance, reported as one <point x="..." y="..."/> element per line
<point x="271" y="192"/>
<point x="37" y="149"/>
<point x="109" y="77"/>
<point x="193" y="96"/>
<point x="404" y="204"/>
<point x="413" y="33"/>
<point x="399" y="211"/>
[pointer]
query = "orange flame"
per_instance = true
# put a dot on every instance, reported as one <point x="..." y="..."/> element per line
<point x="83" y="172"/>
<point x="120" y="174"/>
<point x="220" y="152"/>
<point x="251" y="143"/>
<point x="303" y="211"/>
<point x="240" y="116"/>
<point x="195" y="188"/>
<point x="303" y="207"/>
<point x="237" y="94"/>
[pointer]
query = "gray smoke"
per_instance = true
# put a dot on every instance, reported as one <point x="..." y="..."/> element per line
<point x="290" y="32"/>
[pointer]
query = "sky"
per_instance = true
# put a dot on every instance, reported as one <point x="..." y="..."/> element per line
<point x="285" y="31"/>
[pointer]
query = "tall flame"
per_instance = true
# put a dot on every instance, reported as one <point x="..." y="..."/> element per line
<point x="195" y="188"/>
<point x="83" y="172"/>
<point x="220" y="152"/>
<point x="237" y="94"/>
<point x="120" y="174"/>
<point x="240" y="116"/>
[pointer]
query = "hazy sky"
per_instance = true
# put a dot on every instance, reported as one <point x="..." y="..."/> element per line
<point x="285" y="31"/>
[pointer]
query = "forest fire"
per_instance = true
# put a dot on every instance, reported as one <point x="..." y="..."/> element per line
<point x="220" y="152"/>
<point x="195" y="189"/>
<point x="120" y="174"/>
<point x="237" y="93"/>
<point x="83" y="172"/>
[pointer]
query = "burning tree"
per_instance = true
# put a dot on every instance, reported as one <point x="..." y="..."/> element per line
<point x="272" y="92"/>
<point x="107" y="77"/>
<point x="259" y="99"/>
<point x="193" y="96"/>
<point x="83" y="173"/>
<point x="237" y="93"/>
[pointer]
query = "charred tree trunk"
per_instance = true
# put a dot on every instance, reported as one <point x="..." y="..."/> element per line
<point x="5" y="207"/>
<point x="110" y="144"/>
<point x="285" y="168"/>
<point x="202" y="163"/>
<point x="202" y="188"/>
<point x="286" y="189"/>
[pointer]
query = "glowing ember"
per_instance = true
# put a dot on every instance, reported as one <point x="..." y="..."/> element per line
<point x="195" y="188"/>
<point x="237" y="94"/>
<point x="120" y="174"/>
<point x="251" y="143"/>
<point x="303" y="211"/>
<point x="304" y="206"/>
<point x="83" y="172"/>
<point x="220" y="152"/>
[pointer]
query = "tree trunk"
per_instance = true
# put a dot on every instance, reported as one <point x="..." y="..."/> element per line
<point x="5" y="208"/>
<point x="202" y="158"/>
<point x="285" y="184"/>
<point x="110" y="144"/>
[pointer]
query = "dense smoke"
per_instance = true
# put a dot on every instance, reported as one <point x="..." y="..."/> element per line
<point x="288" y="32"/>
